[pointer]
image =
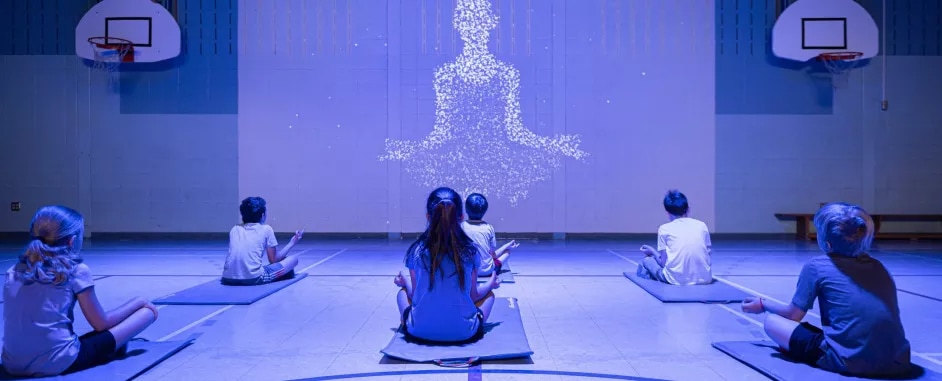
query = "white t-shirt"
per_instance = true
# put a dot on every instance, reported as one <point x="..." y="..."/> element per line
<point x="248" y="246"/>
<point x="688" y="246"/>
<point x="37" y="324"/>
<point x="485" y="240"/>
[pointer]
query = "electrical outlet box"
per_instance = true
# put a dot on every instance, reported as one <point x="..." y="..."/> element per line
<point x="15" y="206"/>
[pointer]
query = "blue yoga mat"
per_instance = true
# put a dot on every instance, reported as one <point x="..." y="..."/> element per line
<point x="142" y="355"/>
<point x="504" y="338"/>
<point x="216" y="293"/>
<point x="764" y="357"/>
<point x="716" y="292"/>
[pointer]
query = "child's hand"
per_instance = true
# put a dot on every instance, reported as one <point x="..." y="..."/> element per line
<point x="648" y="250"/>
<point x="400" y="280"/>
<point x="152" y="308"/>
<point x="752" y="305"/>
<point x="494" y="282"/>
<point x="297" y="235"/>
<point x="513" y="244"/>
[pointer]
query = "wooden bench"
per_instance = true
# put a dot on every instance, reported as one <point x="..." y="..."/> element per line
<point x="803" y="223"/>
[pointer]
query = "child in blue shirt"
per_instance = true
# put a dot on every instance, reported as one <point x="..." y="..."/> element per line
<point x="39" y="294"/>
<point x="861" y="334"/>
<point x="441" y="302"/>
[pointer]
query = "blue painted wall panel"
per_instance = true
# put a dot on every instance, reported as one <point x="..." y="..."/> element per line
<point x="203" y="80"/>
<point x="749" y="79"/>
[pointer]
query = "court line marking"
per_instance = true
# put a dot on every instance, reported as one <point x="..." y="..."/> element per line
<point x="322" y="261"/>
<point x="920" y="295"/>
<point x="221" y="254"/>
<point x="162" y="275"/>
<point x="225" y="308"/>
<point x="195" y="323"/>
<point x="470" y="371"/>
<point x="910" y="255"/>
<point x="761" y="295"/>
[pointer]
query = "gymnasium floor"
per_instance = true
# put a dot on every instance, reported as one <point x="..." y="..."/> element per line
<point x="584" y="320"/>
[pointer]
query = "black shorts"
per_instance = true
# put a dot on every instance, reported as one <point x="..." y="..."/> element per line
<point x="804" y="345"/>
<point x="95" y="348"/>
<point x="477" y="335"/>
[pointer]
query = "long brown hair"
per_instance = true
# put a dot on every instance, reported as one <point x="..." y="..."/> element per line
<point x="443" y="238"/>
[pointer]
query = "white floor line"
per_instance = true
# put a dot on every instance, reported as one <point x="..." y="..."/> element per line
<point x="923" y="356"/>
<point x="756" y="293"/>
<point x="219" y="254"/>
<point x="622" y="257"/>
<point x="909" y="255"/>
<point x="195" y="323"/>
<point x="741" y="314"/>
<point x="322" y="261"/>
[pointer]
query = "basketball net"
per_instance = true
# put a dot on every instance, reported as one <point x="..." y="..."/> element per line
<point x="840" y="65"/>
<point x="110" y="52"/>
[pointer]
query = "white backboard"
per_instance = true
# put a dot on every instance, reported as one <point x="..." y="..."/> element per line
<point x="808" y="28"/>
<point x="152" y="29"/>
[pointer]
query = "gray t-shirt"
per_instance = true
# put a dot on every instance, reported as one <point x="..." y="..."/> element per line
<point x="859" y="314"/>
<point x="37" y="324"/>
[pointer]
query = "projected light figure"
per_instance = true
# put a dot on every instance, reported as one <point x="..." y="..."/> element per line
<point x="479" y="143"/>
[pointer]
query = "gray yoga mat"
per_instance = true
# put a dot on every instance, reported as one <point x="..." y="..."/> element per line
<point x="764" y="357"/>
<point x="504" y="338"/>
<point x="142" y="355"/>
<point x="505" y="276"/>
<point x="716" y="292"/>
<point x="216" y="293"/>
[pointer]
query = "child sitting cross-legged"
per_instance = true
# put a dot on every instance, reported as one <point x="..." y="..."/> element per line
<point x="40" y="293"/>
<point x="862" y="334"/>
<point x="683" y="253"/>
<point x="485" y="236"/>
<point x="441" y="301"/>
<point x="252" y="244"/>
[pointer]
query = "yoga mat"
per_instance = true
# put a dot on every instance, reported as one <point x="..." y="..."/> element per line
<point x="215" y="293"/>
<point x="763" y="356"/>
<point x="716" y="292"/>
<point x="504" y="338"/>
<point x="505" y="276"/>
<point x="142" y="355"/>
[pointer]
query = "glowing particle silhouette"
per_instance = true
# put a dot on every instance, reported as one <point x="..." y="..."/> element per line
<point x="479" y="142"/>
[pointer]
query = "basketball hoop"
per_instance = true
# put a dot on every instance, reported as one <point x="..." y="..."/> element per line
<point x="840" y="64"/>
<point x="110" y="52"/>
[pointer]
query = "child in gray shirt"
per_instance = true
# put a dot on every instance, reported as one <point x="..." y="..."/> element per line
<point x="861" y="333"/>
<point x="40" y="293"/>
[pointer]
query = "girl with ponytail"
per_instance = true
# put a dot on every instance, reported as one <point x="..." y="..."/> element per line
<point x="862" y="333"/>
<point x="40" y="292"/>
<point x="441" y="302"/>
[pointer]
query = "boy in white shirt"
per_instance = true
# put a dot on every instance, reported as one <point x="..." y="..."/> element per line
<point x="249" y="244"/>
<point x="484" y="236"/>
<point x="683" y="249"/>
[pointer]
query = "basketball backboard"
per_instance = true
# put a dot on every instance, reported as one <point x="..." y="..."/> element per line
<point x="808" y="28"/>
<point x="153" y="30"/>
